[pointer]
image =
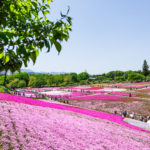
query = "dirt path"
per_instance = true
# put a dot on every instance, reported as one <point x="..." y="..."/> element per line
<point x="137" y="123"/>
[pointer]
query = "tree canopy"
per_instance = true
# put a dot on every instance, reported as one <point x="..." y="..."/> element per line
<point x="136" y="77"/>
<point x="25" y="30"/>
<point x="83" y="76"/>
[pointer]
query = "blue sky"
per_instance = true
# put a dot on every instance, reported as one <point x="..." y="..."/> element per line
<point x="107" y="35"/>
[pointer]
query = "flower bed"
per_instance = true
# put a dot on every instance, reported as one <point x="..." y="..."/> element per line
<point x="123" y="94"/>
<point x="93" y="88"/>
<point x="101" y="115"/>
<point x="35" y="128"/>
<point x="128" y="85"/>
<point x="42" y="89"/>
<point x="98" y="97"/>
<point x="135" y="86"/>
<point x="144" y="90"/>
<point x="80" y="87"/>
<point x="65" y="92"/>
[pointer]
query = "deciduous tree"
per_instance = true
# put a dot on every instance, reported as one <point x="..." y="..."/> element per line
<point x="25" y="30"/>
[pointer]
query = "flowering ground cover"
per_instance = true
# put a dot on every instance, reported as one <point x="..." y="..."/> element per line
<point x="65" y="92"/>
<point x="118" y="84"/>
<point x="103" y="90"/>
<point x="96" y="114"/>
<point x="112" y="89"/>
<point x="130" y="84"/>
<point x="123" y="94"/>
<point x="100" y="90"/>
<point x="93" y="88"/>
<point x="26" y="127"/>
<point x="98" y="97"/>
<point x="29" y="94"/>
<point x="41" y="89"/>
<point x="143" y="95"/>
<point x="80" y="87"/>
<point x="136" y="86"/>
<point x="26" y="93"/>
<point x="139" y="107"/>
<point x="144" y="90"/>
<point x="55" y="92"/>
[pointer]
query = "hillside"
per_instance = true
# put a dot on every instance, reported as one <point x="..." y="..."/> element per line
<point x="33" y="127"/>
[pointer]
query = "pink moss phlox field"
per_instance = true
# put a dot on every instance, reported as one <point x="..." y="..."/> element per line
<point x="119" y="84"/>
<point x="30" y="94"/>
<point x="93" y="88"/>
<point x="145" y="89"/>
<point x="63" y="92"/>
<point x="122" y="93"/>
<point x="135" y="86"/>
<point x="75" y="94"/>
<point x="71" y="94"/>
<point x="28" y="127"/>
<point x="80" y="87"/>
<point x="128" y="85"/>
<point x="98" y="97"/>
<point x="42" y="89"/>
<point x="97" y="114"/>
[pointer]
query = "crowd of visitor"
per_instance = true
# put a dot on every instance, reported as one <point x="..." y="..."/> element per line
<point x="43" y="96"/>
<point x="132" y="116"/>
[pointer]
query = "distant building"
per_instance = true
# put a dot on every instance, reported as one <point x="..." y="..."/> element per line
<point x="92" y="78"/>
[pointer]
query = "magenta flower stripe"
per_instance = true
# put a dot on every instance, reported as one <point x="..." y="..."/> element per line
<point x="98" y="97"/>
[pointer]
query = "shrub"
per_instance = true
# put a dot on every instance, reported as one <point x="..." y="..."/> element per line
<point x="2" y="89"/>
<point x="21" y="84"/>
<point x="13" y="84"/>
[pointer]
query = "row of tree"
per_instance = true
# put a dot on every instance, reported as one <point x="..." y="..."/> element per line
<point x="20" y="80"/>
<point x="124" y="76"/>
<point x="120" y="76"/>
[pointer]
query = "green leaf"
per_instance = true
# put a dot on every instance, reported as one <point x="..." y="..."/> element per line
<point x="47" y="5"/>
<point x="7" y="58"/>
<point x="25" y="62"/>
<point x="48" y="1"/>
<point x="41" y="45"/>
<point x="33" y="57"/>
<point x="58" y="46"/>
<point x="46" y="12"/>
<point x="24" y="31"/>
<point x="47" y="44"/>
<point x="36" y="52"/>
<point x="1" y="55"/>
<point x="21" y="38"/>
<point x="34" y="4"/>
<point x="12" y="7"/>
<point x="3" y="37"/>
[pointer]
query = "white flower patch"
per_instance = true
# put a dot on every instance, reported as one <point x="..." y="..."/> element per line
<point x="56" y="93"/>
<point x="112" y="89"/>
